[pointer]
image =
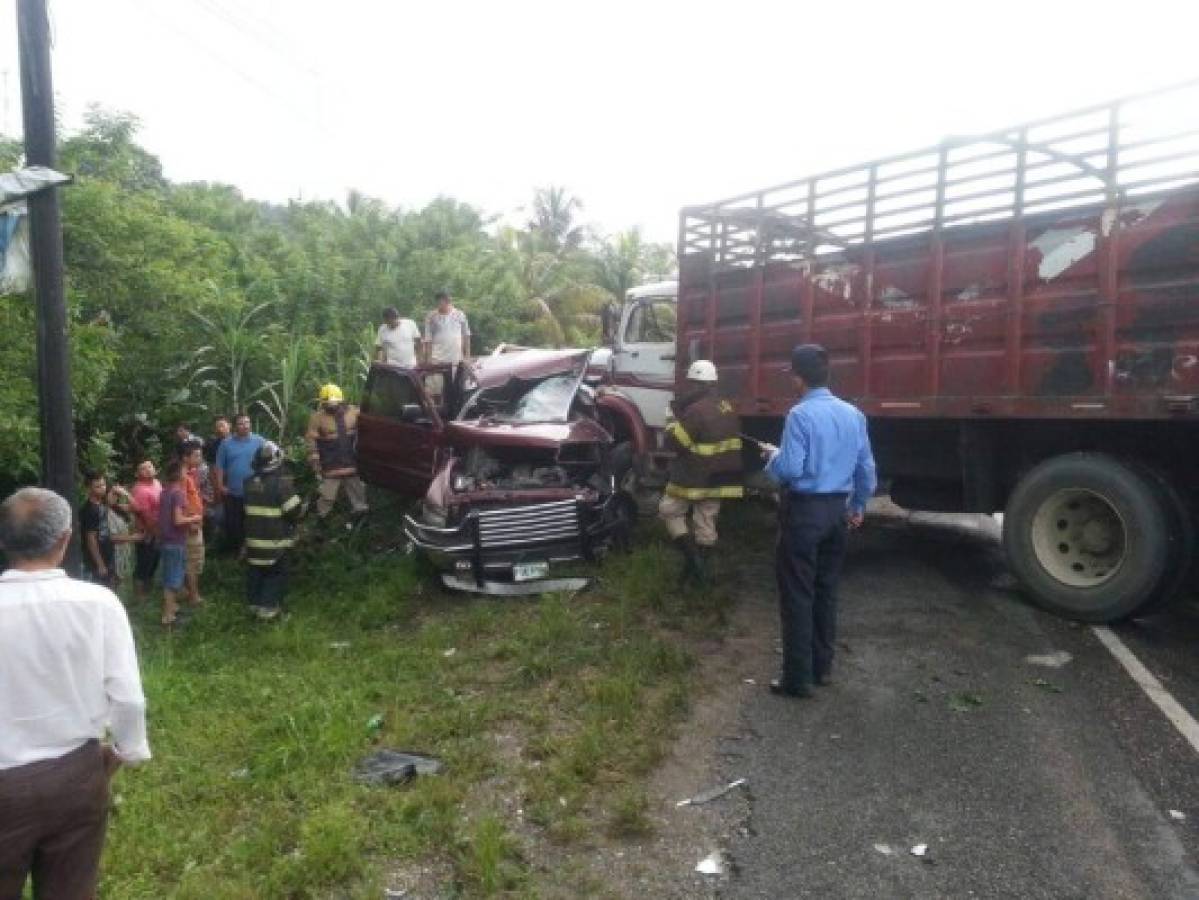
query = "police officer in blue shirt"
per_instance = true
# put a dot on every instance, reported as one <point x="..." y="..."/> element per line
<point x="825" y="471"/>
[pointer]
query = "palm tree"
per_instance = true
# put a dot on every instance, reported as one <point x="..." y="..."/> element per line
<point x="553" y="220"/>
<point x="619" y="264"/>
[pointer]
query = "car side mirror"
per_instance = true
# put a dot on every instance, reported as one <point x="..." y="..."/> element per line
<point x="414" y="414"/>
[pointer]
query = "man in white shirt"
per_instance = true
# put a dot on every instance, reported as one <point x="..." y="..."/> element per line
<point x="68" y="681"/>
<point x="447" y="333"/>
<point x="396" y="341"/>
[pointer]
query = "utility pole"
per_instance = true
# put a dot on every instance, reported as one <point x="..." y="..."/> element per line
<point x="45" y="231"/>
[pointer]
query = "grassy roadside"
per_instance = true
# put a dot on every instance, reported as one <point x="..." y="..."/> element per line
<point x="547" y="712"/>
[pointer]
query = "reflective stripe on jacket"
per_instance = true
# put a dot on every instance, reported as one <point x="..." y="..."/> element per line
<point x="707" y="445"/>
<point x="272" y="506"/>
<point x="332" y="436"/>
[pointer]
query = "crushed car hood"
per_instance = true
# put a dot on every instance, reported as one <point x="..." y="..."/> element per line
<point x="528" y="365"/>
<point x="546" y="435"/>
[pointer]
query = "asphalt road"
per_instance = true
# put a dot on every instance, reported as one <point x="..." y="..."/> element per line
<point x="1023" y="780"/>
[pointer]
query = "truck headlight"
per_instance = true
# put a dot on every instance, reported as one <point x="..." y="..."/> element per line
<point x="462" y="483"/>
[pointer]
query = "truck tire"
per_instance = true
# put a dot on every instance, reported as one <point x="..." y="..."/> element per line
<point x="1088" y="536"/>
<point x="1181" y="532"/>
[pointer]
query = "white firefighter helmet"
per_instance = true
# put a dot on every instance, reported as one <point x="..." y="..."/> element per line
<point x="701" y="370"/>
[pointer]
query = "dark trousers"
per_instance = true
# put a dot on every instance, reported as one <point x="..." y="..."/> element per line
<point x="145" y="560"/>
<point x="266" y="586"/>
<point x="811" y="549"/>
<point x="52" y="818"/>
<point x="235" y="522"/>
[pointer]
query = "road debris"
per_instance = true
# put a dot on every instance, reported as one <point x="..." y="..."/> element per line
<point x="884" y="849"/>
<point x="1054" y="660"/>
<point x="711" y="793"/>
<point x="920" y="850"/>
<point x="339" y="645"/>
<point x="712" y="864"/>
<point x="387" y="767"/>
<point x="450" y="652"/>
<point x="394" y="894"/>
<point x="239" y="774"/>
<point x="750" y="680"/>
<point x="1178" y="815"/>
<point x="965" y="702"/>
<point x="375" y="724"/>
<point x="1047" y="686"/>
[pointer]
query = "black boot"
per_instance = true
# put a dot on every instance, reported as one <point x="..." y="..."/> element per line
<point x="693" y="566"/>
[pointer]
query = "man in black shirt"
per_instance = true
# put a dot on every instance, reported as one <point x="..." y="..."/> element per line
<point x="98" y="554"/>
<point x="220" y="431"/>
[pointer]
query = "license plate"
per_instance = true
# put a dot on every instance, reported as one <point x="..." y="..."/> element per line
<point x="529" y="571"/>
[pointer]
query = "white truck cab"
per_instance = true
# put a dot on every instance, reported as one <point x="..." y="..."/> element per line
<point x="643" y="349"/>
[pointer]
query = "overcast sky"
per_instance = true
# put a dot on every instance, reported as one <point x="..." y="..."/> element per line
<point x="638" y="108"/>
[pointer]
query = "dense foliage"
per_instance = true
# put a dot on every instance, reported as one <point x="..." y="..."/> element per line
<point x="190" y="299"/>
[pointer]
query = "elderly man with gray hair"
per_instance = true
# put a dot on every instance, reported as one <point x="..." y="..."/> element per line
<point x="71" y="705"/>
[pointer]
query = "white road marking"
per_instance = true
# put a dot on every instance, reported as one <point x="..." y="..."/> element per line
<point x="1162" y="699"/>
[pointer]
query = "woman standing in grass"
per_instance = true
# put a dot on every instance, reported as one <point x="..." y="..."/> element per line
<point x="174" y="523"/>
<point x="123" y="531"/>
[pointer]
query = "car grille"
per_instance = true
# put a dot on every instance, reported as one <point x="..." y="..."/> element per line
<point x="536" y="524"/>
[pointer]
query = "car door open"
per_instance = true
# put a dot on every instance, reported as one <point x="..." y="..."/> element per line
<point x="399" y="431"/>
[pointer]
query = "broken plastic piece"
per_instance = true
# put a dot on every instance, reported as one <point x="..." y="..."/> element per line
<point x="884" y="849"/>
<point x="711" y="793"/>
<point x="1054" y="660"/>
<point x="920" y="850"/>
<point x="385" y="767"/>
<point x="1178" y="815"/>
<point x="712" y="864"/>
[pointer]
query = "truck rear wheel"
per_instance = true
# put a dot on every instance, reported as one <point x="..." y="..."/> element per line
<point x="1181" y="534"/>
<point x="1088" y="536"/>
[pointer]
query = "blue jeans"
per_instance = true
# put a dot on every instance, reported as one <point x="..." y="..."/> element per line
<point x="174" y="566"/>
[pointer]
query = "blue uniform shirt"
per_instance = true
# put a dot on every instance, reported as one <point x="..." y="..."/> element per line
<point x="235" y="459"/>
<point x="826" y="450"/>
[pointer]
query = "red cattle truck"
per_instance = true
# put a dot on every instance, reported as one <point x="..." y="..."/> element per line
<point x="1017" y="314"/>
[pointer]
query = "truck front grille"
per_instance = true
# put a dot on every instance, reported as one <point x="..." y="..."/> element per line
<point x="522" y="525"/>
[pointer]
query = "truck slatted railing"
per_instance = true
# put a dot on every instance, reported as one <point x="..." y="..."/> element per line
<point x="1136" y="147"/>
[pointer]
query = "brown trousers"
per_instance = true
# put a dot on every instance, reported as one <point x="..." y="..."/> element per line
<point x="52" y="818"/>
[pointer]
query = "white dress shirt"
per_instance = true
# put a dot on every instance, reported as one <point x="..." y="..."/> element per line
<point x="68" y="670"/>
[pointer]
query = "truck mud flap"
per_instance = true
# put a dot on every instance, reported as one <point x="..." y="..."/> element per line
<point x="515" y="589"/>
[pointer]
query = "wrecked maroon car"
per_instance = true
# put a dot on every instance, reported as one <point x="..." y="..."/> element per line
<point x="514" y="458"/>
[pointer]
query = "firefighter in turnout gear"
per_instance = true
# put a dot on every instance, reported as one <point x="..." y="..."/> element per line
<point x="332" y="437"/>
<point x="705" y="470"/>
<point x="272" y="509"/>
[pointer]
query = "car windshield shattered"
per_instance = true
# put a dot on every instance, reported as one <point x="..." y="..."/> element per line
<point x="520" y="401"/>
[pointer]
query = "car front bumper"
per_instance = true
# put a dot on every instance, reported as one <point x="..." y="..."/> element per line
<point x="505" y="542"/>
